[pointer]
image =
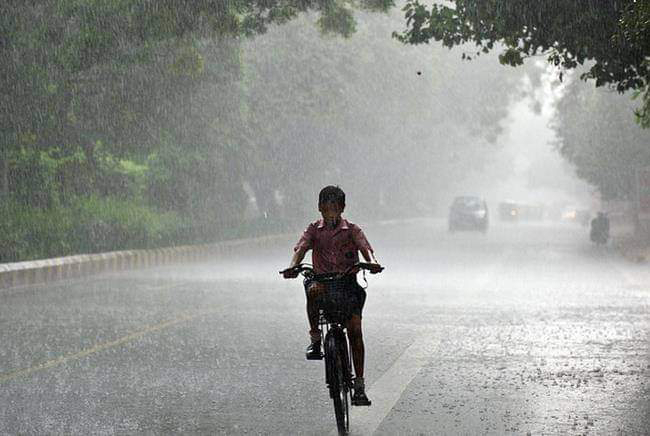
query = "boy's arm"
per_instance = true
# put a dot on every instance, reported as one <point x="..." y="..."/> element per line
<point x="304" y="244"/>
<point x="298" y="256"/>
<point x="368" y="254"/>
<point x="366" y="249"/>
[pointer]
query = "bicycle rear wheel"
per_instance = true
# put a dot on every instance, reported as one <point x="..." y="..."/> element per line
<point x="339" y="390"/>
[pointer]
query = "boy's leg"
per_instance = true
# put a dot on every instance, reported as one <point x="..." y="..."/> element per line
<point x="355" y="336"/>
<point x="312" y="316"/>
<point x="314" y="348"/>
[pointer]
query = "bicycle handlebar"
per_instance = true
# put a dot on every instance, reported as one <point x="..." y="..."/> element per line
<point x="306" y="268"/>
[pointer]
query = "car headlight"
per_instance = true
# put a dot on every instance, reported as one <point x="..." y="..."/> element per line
<point x="480" y="213"/>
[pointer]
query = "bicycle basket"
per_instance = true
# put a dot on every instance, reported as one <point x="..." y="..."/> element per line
<point x="337" y="300"/>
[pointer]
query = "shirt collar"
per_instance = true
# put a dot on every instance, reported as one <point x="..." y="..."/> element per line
<point x="343" y="224"/>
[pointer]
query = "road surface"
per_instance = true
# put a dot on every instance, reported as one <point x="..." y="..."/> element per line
<point x="527" y="329"/>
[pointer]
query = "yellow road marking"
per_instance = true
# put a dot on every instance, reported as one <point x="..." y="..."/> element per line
<point x="99" y="347"/>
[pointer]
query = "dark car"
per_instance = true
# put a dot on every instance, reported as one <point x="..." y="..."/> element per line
<point x="468" y="213"/>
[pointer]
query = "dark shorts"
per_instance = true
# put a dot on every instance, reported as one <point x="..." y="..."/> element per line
<point x="357" y="295"/>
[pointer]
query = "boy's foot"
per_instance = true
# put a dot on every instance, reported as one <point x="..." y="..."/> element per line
<point x="313" y="351"/>
<point x="360" y="399"/>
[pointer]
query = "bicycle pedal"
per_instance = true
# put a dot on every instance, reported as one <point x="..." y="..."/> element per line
<point x="369" y="403"/>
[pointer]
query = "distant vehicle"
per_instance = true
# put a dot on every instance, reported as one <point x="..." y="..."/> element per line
<point x="576" y="215"/>
<point x="531" y="212"/>
<point x="569" y="213"/>
<point x="468" y="213"/>
<point x="513" y="211"/>
<point x="508" y="211"/>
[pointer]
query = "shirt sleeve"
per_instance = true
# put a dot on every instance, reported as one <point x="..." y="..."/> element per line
<point x="306" y="241"/>
<point x="360" y="239"/>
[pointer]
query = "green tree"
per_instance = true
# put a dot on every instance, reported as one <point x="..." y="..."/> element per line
<point x="112" y="102"/>
<point x="596" y="134"/>
<point x="614" y="34"/>
<point x="78" y="71"/>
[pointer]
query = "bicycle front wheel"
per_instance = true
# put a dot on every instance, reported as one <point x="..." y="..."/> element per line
<point x="339" y="390"/>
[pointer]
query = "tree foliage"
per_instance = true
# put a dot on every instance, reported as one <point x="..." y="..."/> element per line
<point x="596" y="134"/>
<point x="614" y="34"/>
<point x="131" y="102"/>
<point x="134" y="123"/>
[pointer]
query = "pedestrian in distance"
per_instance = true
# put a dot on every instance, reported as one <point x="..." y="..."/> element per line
<point x="599" y="232"/>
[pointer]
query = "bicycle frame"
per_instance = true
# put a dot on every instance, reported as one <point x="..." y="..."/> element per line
<point x="338" y="372"/>
<point x="336" y="332"/>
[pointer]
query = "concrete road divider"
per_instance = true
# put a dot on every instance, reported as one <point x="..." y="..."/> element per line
<point x="49" y="270"/>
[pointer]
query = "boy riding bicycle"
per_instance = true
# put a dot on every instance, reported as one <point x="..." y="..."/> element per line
<point x="336" y="244"/>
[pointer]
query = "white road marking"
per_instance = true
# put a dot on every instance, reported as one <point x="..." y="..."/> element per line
<point x="387" y="390"/>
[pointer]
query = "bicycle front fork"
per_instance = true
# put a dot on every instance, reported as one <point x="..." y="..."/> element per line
<point x="336" y="347"/>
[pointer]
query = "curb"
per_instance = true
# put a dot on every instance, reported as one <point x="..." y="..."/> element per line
<point x="60" y="268"/>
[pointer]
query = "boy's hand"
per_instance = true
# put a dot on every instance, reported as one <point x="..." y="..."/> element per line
<point x="375" y="268"/>
<point x="290" y="273"/>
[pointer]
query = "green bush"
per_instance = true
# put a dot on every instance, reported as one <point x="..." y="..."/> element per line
<point x="87" y="225"/>
<point x="31" y="233"/>
<point x="107" y="224"/>
<point x="98" y="224"/>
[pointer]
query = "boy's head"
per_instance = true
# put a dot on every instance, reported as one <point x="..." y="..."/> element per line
<point x="331" y="203"/>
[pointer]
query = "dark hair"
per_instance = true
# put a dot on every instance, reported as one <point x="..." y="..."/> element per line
<point x="332" y="194"/>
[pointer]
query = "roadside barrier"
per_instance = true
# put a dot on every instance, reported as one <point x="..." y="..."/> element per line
<point x="60" y="268"/>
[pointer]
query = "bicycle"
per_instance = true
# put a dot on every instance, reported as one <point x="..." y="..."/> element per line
<point x="334" y="312"/>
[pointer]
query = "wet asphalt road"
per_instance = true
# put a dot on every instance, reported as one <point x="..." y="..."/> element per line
<point x="528" y="329"/>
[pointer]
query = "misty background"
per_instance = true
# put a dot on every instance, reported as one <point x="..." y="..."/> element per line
<point x="116" y="143"/>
